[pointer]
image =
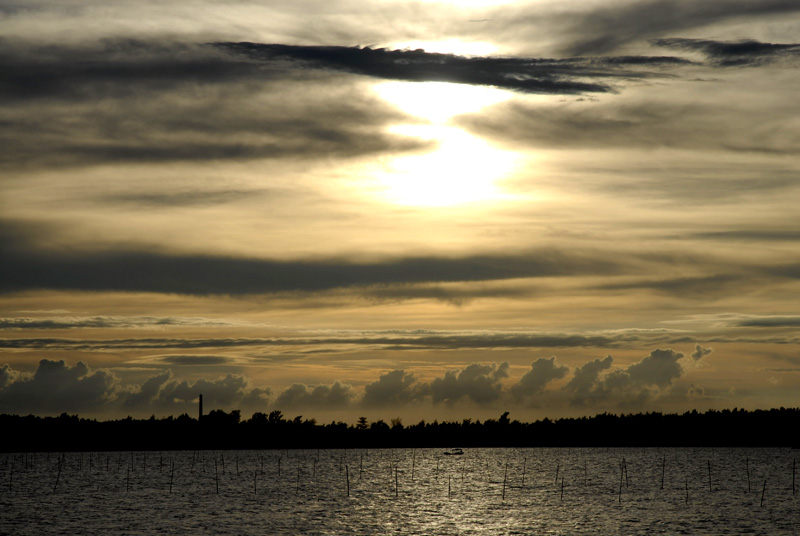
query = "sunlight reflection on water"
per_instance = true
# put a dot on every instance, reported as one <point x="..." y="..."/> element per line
<point x="403" y="491"/>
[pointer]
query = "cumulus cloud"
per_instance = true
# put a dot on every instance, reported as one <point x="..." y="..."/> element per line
<point x="700" y="352"/>
<point x="631" y="386"/>
<point x="585" y="383"/>
<point x="533" y="382"/>
<point x="336" y="395"/>
<point x="395" y="388"/>
<point x="56" y="387"/>
<point x="477" y="382"/>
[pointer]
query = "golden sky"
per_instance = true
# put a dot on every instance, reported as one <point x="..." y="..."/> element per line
<point x="399" y="209"/>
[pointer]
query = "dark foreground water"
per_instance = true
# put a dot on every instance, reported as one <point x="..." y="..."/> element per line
<point x="403" y="491"/>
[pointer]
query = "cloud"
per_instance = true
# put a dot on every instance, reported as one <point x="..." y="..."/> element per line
<point x="700" y="352"/>
<point x="395" y="388"/>
<point x="110" y="322"/>
<point x="533" y="382"/>
<point x="612" y="26"/>
<point x="631" y="386"/>
<point x="528" y="75"/>
<point x="194" y="359"/>
<point x="56" y="387"/>
<point x="746" y="52"/>
<point x="477" y="382"/>
<point x="585" y="384"/>
<point x="26" y="266"/>
<point x="177" y="102"/>
<point x="336" y="395"/>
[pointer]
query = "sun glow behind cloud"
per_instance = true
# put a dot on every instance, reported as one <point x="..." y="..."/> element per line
<point x="463" y="168"/>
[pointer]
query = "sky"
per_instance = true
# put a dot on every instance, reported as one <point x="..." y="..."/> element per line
<point x="399" y="209"/>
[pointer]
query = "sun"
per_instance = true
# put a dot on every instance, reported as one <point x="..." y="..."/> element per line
<point x="462" y="168"/>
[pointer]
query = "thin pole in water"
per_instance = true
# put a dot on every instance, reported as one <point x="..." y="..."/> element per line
<point x="171" y="474"/>
<point x="505" y="477"/>
<point x="709" y="476"/>
<point x="255" y="482"/>
<point x="347" y="477"/>
<point x="619" y="497"/>
<point x="396" y="486"/>
<point x="794" y="471"/>
<point x="562" y="488"/>
<point x="448" y="487"/>
<point x="687" y="491"/>
<point x="763" y="490"/>
<point x="524" y="466"/>
<point x="747" y="467"/>
<point x="297" y="484"/>
<point x="216" y="475"/>
<point x="413" y="463"/>
<point x="663" y="467"/>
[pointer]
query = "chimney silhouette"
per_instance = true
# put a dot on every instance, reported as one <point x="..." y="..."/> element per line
<point x="200" y="417"/>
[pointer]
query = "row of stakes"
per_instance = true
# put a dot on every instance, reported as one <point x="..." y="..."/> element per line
<point x="623" y="481"/>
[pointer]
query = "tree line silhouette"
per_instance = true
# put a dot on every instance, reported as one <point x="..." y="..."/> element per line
<point x="219" y="430"/>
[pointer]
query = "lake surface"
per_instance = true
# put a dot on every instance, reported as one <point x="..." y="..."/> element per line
<point x="402" y="491"/>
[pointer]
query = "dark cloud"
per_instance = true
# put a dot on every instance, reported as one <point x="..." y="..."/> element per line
<point x="56" y="387"/>
<point x="533" y="382"/>
<point x="700" y="352"/>
<point x="611" y="26"/>
<point x="660" y="368"/>
<point x="700" y="287"/>
<point x="195" y="359"/>
<point x="131" y="101"/>
<point x="649" y="124"/>
<point x="24" y="267"/>
<point x="478" y="383"/>
<point x="628" y="387"/>
<point x="528" y="75"/>
<point x="104" y="322"/>
<point x="770" y="322"/>
<point x="395" y="388"/>
<point x="336" y="395"/>
<point x="585" y="384"/>
<point x="756" y="235"/>
<point x="732" y="53"/>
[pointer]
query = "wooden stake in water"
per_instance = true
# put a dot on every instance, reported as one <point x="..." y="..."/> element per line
<point x="216" y="475"/>
<point x="505" y="477"/>
<point x="524" y="464"/>
<point x="687" y="491"/>
<point x="413" y="463"/>
<point x="709" y="476"/>
<point x="58" y="475"/>
<point x="619" y="497"/>
<point x="396" y="485"/>
<point x="128" y="480"/>
<point x="763" y="490"/>
<point x="255" y="482"/>
<point x="747" y="467"/>
<point x="448" y="487"/>
<point x="347" y="477"/>
<point x="171" y="475"/>
<point x="663" y="467"/>
<point x="562" y="488"/>
<point x="794" y="489"/>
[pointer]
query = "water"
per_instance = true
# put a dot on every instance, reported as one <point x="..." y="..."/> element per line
<point x="402" y="491"/>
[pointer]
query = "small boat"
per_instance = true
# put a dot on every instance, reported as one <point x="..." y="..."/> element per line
<point x="453" y="452"/>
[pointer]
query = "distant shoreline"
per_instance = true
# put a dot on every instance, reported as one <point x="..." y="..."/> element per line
<point x="219" y="430"/>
